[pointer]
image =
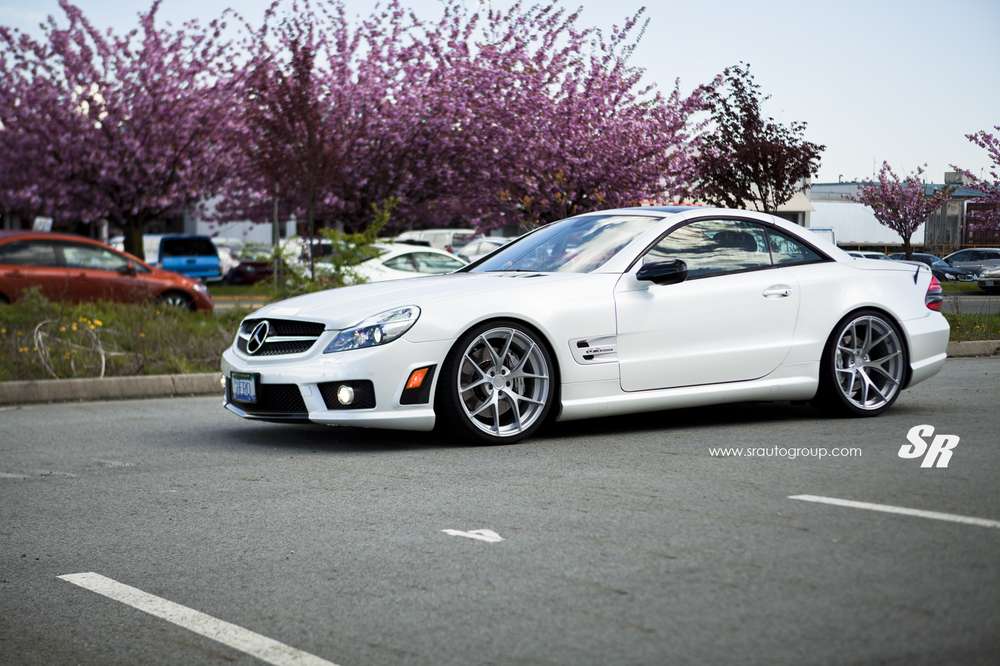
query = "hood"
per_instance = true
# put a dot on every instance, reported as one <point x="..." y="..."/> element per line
<point x="344" y="307"/>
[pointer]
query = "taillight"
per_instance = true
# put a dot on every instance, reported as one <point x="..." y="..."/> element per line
<point x="934" y="296"/>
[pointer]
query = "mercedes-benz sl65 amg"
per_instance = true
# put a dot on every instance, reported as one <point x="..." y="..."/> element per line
<point x="611" y="312"/>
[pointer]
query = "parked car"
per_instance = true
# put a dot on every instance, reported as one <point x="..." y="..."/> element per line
<point x="73" y="268"/>
<point x="255" y="264"/>
<point x="612" y="312"/>
<point x="975" y="259"/>
<point x="865" y="254"/>
<point x="229" y="250"/>
<point x="480" y="247"/>
<point x="941" y="269"/>
<point x="442" y="239"/>
<point x="193" y="256"/>
<point x="989" y="280"/>
<point x="399" y="260"/>
<point x="150" y="246"/>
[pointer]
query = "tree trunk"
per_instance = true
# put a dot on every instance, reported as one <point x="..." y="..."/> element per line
<point x="311" y="226"/>
<point x="907" y="248"/>
<point x="276" y="247"/>
<point x="133" y="238"/>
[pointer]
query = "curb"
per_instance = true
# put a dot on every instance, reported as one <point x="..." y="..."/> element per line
<point x="973" y="348"/>
<point x="109" y="388"/>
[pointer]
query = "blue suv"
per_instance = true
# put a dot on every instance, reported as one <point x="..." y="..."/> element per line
<point x="193" y="256"/>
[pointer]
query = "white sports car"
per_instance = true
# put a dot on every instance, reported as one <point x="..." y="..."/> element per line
<point x="610" y="312"/>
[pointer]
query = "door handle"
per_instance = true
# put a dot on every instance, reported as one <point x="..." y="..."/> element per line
<point x="778" y="291"/>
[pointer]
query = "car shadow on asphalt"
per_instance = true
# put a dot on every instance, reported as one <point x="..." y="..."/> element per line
<point x="333" y="439"/>
<point x="341" y="439"/>
<point x="742" y="413"/>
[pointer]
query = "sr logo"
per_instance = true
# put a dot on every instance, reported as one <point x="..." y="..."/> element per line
<point x="936" y="454"/>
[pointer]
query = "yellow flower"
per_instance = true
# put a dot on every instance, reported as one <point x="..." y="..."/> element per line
<point x="73" y="326"/>
<point x="3" y="331"/>
<point x="141" y="334"/>
<point x="97" y="322"/>
<point x="62" y="329"/>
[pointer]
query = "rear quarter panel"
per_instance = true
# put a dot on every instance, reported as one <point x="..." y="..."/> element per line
<point x="833" y="289"/>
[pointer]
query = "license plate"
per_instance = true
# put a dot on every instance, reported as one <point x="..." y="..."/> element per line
<point x="244" y="387"/>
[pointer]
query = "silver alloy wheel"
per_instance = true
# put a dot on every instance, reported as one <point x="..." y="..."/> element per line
<point x="503" y="382"/>
<point x="175" y="300"/>
<point x="868" y="362"/>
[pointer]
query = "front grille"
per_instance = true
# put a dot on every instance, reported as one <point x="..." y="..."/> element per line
<point x="280" y="328"/>
<point x="272" y="400"/>
<point x="286" y="327"/>
<point x="277" y="348"/>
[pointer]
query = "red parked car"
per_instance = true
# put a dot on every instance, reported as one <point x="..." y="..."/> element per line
<point x="73" y="268"/>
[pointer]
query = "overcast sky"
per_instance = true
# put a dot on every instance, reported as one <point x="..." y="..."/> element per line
<point x="876" y="80"/>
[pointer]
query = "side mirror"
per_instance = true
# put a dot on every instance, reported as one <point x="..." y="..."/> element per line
<point x="663" y="272"/>
<point x="128" y="269"/>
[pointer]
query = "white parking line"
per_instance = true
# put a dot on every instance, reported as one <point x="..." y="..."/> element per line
<point x="888" y="508"/>
<point x="234" y="636"/>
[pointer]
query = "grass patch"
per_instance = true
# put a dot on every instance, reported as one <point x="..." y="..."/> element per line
<point x="41" y="339"/>
<point x="974" y="326"/>
<point x="951" y="287"/>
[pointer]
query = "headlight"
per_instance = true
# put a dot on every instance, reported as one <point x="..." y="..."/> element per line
<point x="949" y="276"/>
<point x="201" y="287"/>
<point x="376" y="330"/>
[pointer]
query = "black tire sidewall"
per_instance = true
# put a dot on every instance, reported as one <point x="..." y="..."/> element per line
<point x="829" y="393"/>
<point x="451" y="418"/>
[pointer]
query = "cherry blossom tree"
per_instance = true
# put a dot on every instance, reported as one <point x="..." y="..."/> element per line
<point x="335" y="117"/>
<point x="985" y="215"/>
<point x="550" y="118"/>
<point x="118" y="127"/>
<point x="901" y="204"/>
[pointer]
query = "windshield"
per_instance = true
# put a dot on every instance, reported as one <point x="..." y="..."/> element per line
<point x="577" y="245"/>
<point x="187" y="246"/>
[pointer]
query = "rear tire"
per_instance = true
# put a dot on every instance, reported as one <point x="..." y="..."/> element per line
<point x="497" y="386"/>
<point x="4" y="300"/>
<point x="864" y="365"/>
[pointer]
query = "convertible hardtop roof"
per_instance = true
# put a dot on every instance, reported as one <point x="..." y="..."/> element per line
<point x="651" y="209"/>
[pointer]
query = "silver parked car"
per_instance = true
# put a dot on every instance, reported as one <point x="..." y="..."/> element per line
<point x="976" y="259"/>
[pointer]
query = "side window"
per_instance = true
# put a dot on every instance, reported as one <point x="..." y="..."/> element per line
<point x="29" y="253"/>
<point x="403" y="262"/>
<point x="714" y="247"/>
<point x="428" y="262"/>
<point x="89" y="256"/>
<point x="786" y="251"/>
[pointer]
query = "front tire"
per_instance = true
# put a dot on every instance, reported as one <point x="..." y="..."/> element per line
<point x="864" y="365"/>
<point x="176" y="299"/>
<point x="498" y="384"/>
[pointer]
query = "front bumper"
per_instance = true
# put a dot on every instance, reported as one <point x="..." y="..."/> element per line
<point x="386" y="366"/>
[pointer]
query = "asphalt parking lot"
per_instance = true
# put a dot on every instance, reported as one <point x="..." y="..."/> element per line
<point x="623" y="540"/>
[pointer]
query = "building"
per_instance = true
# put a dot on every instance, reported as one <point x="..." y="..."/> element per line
<point x="854" y="224"/>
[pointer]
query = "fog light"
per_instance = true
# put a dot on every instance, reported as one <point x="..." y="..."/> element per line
<point x="345" y="394"/>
